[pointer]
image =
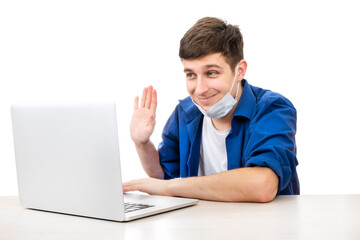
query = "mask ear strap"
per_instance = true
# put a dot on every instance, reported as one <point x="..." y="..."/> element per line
<point x="237" y="91"/>
<point x="235" y="81"/>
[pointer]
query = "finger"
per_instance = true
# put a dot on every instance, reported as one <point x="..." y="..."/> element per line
<point x="133" y="182"/>
<point x="128" y="189"/>
<point x="128" y="186"/>
<point x="133" y="185"/>
<point x="148" y="97"/>
<point x="136" y="103"/>
<point x="153" y="102"/>
<point x="143" y="97"/>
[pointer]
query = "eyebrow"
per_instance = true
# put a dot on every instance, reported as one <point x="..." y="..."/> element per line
<point x="205" y="67"/>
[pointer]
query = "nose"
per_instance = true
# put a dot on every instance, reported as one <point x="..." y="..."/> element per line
<point x="201" y="86"/>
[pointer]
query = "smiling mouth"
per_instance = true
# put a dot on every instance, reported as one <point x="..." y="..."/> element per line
<point x="206" y="100"/>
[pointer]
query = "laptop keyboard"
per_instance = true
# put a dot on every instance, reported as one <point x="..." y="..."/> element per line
<point x="131" y="207"/>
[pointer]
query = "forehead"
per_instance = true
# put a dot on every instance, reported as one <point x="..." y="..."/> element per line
<point x="214" y="60"/>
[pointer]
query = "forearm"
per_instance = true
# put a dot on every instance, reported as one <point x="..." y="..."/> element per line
<point x="255" y="184"/>
<point x="149" y="158"/>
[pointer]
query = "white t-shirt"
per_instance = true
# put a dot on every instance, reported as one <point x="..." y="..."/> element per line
<point x="213" y="155"/>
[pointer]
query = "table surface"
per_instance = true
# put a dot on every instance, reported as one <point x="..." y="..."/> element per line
<point x="287" y="217"/>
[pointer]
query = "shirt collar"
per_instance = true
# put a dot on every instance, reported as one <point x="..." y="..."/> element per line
<point x="191" y="111"/>
<point x="244" y="108"/>
<point x="247" y="101"/>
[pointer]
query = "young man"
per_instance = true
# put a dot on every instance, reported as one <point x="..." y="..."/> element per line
<point x="227" y="141"/>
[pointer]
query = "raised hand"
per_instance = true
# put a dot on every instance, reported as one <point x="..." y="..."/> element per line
<point x="143" y="120"/>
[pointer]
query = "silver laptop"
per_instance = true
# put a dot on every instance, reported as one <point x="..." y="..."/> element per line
<point x="67" y="160"/>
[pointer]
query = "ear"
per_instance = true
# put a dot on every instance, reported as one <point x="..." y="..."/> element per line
<point x="241" y="69"/>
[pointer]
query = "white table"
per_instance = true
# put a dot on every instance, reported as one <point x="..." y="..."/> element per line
<point x="287" y="217"/>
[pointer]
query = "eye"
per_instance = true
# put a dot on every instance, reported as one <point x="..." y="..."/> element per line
<point x="211" y="73"/>
<point x="190" y="75"/>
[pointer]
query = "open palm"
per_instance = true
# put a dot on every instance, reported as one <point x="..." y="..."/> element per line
<point x="143" y="119"/>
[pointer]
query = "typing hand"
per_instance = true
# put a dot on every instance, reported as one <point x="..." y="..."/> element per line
<point x="151" y="186"/>
<point x="143" y="120"/>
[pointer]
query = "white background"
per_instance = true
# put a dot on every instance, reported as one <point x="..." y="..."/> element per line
<point x="99" y="50"/>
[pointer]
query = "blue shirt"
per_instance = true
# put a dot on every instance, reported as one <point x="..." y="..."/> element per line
<point x="262" y="134"/>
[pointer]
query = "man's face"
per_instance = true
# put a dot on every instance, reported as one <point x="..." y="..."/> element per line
<point x="208" y="79"/>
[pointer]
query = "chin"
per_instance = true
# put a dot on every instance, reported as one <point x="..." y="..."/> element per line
<point x="206" y="108"/>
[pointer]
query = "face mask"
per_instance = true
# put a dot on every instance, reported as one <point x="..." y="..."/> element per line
<point x="222" y="107"/>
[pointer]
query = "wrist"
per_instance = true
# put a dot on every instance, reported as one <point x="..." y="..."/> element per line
<point x="141" y="145"/>
<point x="173" y="187"/>
<point x="179" y="187"/>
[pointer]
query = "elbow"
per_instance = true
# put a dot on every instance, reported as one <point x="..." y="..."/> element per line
<point x="265" y="196"/>
<point x="159" y="175"/>
<point x="267" y="187"/>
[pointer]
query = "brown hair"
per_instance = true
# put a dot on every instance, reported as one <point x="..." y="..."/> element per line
<point x="213" y="35"/>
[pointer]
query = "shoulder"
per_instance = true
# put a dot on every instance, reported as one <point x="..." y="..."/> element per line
<point x="271" y="109"/>
<point x="266" y="99"/>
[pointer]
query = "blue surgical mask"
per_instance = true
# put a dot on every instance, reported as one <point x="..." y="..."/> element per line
<point x="222" y="107"/>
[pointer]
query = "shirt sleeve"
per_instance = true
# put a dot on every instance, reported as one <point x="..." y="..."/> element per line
<point x="169" y="148"/>
<point x="272" y="139"/>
